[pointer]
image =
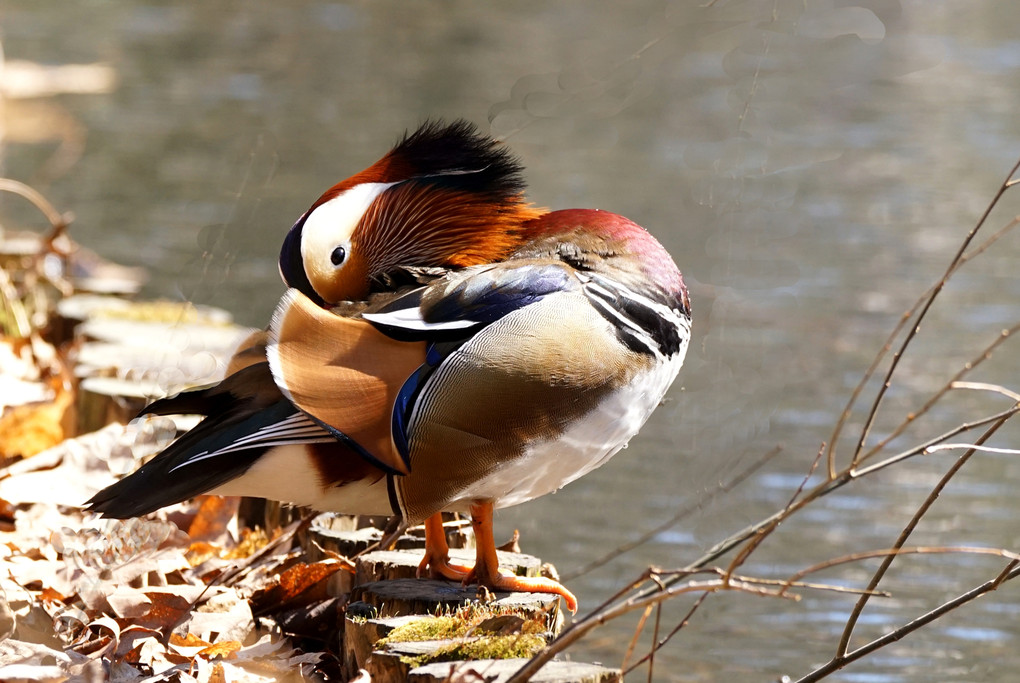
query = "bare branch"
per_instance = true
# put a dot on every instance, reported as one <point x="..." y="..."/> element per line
<point x="917" y="312"/>
<point x="1011" y="572"/>
<point x="58" y="221"/>
<point x="581" y="628"/>
<point x="682" y="513"/>
<point x="929" y="501"/>
<point x="669" y="636"/>
<point x="985" y="354"/>
<point x="984" y="386"/>
<point x="765" y="532"/>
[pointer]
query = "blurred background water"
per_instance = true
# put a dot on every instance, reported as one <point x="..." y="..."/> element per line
<point x="812" y="165"/>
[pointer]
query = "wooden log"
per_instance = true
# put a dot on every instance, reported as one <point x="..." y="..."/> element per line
<point x="385" y="565"/>
<point x="104" y="400"/>
<point x="338" y="521"/>
<point x="360" y="637"/>
<point x="349" y="535"/>
<point x="398" y="662"/>
<point x="132" y="353"/>
<point x="74" y="310"/>
<point x="388" y="665"/>
<point x="350" y="543"/>
<point x="499" y="670"/>
<point x="402" y="597"/>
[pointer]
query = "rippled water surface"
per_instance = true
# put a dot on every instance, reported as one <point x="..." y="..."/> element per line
<point x="813" y="167"/>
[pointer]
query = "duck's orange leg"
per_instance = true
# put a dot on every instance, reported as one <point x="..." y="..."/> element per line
<point x="486" y="571"/>
<point x="437" y="553"/>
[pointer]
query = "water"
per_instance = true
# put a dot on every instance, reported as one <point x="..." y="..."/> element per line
<point x="812" y="167"/>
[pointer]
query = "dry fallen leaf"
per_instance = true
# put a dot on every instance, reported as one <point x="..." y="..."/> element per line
<point x="213" y="522"/>
<point x="227" y="649"/>
<point x="223" y="616"/>
<point x="167" y="611"/>
<point x="300" y="585"/>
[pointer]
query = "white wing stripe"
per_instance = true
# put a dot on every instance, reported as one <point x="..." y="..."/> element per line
<point x="292" y="431"/>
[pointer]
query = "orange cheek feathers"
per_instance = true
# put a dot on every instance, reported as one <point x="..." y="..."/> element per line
<point x="349" y="283"/>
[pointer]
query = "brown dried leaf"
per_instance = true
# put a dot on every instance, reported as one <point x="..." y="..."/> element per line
<point x="99" y="640"/>
<point x="272" y="658"/>
<point x="217" y="674"/>
<point x="136" y="641"/>
<point x="32" y="428"/>
<point x="190" y="640"/>
<point x="50" y="595"/>
<point x="167" y="611"/>
<point x="223" y="650"/>
<point x="201" y="551"/>
<point x="74" y="470"/>
<point x="212" y="522"/>
<point x="6" y="516"/>
<point x="301" y="584"/>
<point x="225" y="616"/>
<point x="129" y="602"/>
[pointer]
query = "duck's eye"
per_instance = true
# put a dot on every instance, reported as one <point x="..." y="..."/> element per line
<point x="338" y="256"/>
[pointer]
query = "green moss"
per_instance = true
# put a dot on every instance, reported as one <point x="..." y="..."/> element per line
<point x="490" y="647"/>
<point x="426" y="628"/>
<point x="459" y="623"/>
<point x="467" y="628"/>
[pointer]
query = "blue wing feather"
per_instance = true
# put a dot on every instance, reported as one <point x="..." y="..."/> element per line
<point x="450" y="311"/>
<point x="404" y="404"/>
<point x="461" y="303"/>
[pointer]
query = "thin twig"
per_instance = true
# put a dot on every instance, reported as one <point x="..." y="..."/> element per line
<point x="916" y="326"/>
<point x="921" y="449"/>
<point x="985" y="386"/>
<point x="682" y="513"/>
<point x="58" y="221"/>
<point x="928" y="295"/>
<point x="765" y="532"/>
<point x="851" y="623"/>
<point x="582" y="627"/>
<point x="637" y="634"/>
<point x="876" y="578"/>
<point x="955" y="380"/>
<point x="655" y="640"/>
<point x="1011" y="572"/>
<point x="796" y="578"/>
<point x="669" y="636"/>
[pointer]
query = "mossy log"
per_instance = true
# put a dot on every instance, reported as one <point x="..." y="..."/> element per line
<point x="130" y="353"/>
<point x="499" y="670"/>
<point x="481" y="652"/>
<point x="387" y="565"/>
<point x="361" y="635"/>
<point x="399" y="597"/>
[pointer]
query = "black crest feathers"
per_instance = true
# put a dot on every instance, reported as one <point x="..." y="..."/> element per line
<point x="455" y="155"/>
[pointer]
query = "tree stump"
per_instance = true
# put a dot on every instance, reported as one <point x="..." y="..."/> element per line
<point x="361" y="635"/>
<point x="400" y="597"/>
<point x="386" y="565"/>
<point x="103" y="400"/>
<point x="499" y="670"/>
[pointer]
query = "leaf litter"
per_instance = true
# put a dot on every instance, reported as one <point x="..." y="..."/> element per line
<point x="181" y="594"/>
<point x="187" y="593"/>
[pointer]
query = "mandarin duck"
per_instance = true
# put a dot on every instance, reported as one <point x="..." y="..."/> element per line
<point x="443" y="346"/>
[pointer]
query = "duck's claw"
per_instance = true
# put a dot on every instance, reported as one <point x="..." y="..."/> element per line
<point x="436" y="563"/>
<point x="523" y="584"/>
<point x="486" y="571"/>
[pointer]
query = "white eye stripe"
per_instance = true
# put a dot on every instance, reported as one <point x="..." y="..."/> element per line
<point x="332" y="223"/>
